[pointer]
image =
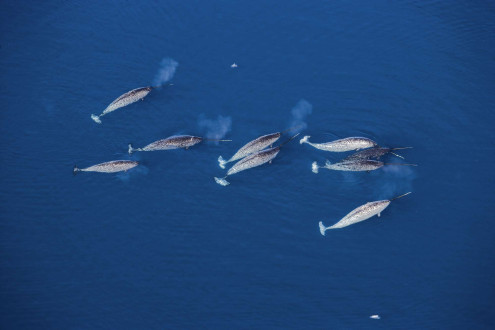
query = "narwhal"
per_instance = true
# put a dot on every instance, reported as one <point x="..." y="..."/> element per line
<point x="360" y="213"/>
<point x="256" y="145"/>
<point x="342" y="145"/>
<point x="251" y="147"/>
<point x="375" y="153"/>
<point x="253" y="160"/>
<point x="172" y="142"/>
<point x="109" y="167"/>
<point x="123" y="100"/>
<point x="355" y="166"/>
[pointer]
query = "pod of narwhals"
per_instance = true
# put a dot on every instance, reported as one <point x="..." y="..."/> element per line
<point x="172" y="142"/>
<point x="252" y="154"/>
<point x="255" y="153"/>
<point x="360" y="161"/>
<point x="364" y="160"/>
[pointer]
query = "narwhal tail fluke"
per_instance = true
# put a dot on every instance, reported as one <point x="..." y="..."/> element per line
<point x="131" y="149"/>
<point x="314" y="167"/>
<point x="323" y="229"/>
<point x="222" y="162"/>
<point x="400" y="196"/>
<point x="96" y="118"/>
<point x="75" y="170"/>
<point x="304" y="139"/>
<point x="222" y="181"/>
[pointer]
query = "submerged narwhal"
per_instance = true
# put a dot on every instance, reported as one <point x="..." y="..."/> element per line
<point x="354" y="166"/>
<point x="172" y="142"/>
<point x="360" y="213"/>
<point x="375" y="153"/>
<point x="108" y="167"/>
<point x="123" y="100"/>
<point x="342" y="145"/>
<point x="253" y="160"/>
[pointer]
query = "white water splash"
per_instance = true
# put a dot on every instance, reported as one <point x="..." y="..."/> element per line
<point x="215" y="128"/>
<point x="166" y="71"/>
<point x="299" y="113"/>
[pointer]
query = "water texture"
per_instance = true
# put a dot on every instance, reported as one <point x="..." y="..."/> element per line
<point x="164" y="247"/>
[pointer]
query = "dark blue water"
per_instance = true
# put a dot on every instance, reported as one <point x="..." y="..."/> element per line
<point x="164" y="247"/>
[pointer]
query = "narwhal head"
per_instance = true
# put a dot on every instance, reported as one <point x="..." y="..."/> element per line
<point x="273" y="135"/>
<point x="195" y="139"/>
<point x="378" y="206"/>
<point x="385" y="203"/>
<point x="270" y="138"/>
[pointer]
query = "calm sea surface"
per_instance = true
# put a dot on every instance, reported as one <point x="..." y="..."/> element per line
<point x="164" y="247"/>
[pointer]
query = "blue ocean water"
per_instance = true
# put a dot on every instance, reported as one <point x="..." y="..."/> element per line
<point x="164" y="247"/>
